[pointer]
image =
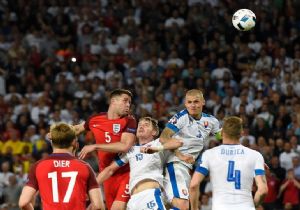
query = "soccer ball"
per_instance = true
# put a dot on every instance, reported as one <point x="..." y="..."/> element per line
<point x="243" y="19"/>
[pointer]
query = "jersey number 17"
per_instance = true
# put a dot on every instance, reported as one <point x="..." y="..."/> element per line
<point x="53" y="176"/>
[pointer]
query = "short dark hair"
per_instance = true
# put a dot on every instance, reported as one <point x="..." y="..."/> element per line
<point x="118" y="92"/>
<point x="62" y="135"/>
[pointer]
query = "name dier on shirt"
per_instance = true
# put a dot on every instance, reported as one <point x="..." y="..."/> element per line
<point x="61" y="163"/>
<point x="232" y="151"/>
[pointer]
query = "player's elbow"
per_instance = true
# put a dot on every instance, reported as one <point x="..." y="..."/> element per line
<point x="23" y="203"/>
<point x="162" y="140"/>
<point x="193" y="187"/>
<point x="125" y="148"/>
<point x="263" y="190"/>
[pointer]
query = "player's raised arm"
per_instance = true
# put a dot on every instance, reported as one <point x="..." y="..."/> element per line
<point x="166" y="140"/>
<point x="27" y="195"/>
<point x="79" y="128"/>
<point x="126" y="142"/>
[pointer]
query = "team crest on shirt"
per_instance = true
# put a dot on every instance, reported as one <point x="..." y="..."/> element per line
<point x="205" y="124"/>
<point x="116" y="128"/>
<point x="173" y="120"/>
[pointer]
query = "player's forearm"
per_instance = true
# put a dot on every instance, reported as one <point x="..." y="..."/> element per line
<point x="172" y="144"/>
<point x="96" y="199"/>
<point x="79" y="128"/>
<point x="259" y="196"/>
<point x="29" y="206"/>
<point x="104" y="175"/>
<point x="116" y="147"/>
<point x="194" y="198"/>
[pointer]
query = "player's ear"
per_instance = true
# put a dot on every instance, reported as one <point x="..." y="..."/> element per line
<point x="75" y="145"/>
<point x="154" y="133"/>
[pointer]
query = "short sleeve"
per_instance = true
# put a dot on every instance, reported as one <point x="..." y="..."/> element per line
<point x="259" y="165"/>
<point x="31" y="180"/>
<point x="203" y="165"/>
<point x="122" y="159"/>
<point x="177" y="121"/>
<point x="216" y="126"/>
<point x="91" y="182"/>
<point x="131" y="125"/>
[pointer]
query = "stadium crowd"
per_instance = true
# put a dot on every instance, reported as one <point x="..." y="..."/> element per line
<point x="60" y="59"/>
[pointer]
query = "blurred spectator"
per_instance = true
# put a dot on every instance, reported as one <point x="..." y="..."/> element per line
<point x="12" y="193"/>
<point x="277" y="169"/>
<point x="270" y="201"/>
<point x="287" y="156"/>
<point x="5" y="173"/>
<point x="289" y="189"/>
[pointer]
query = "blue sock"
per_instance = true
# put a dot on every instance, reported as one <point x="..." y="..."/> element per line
<point x="174" y="208"/>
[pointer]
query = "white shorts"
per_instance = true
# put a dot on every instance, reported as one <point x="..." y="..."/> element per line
<point x="178" y="181"/>
<point x="145" y="200"/>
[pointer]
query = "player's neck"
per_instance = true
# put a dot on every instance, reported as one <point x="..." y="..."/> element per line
<point x="112" y="114"/>
<point x="143" y="141"/>
<point x="230" y="141"/>
<point x="197" y="117"/>
<point x="59" y="150"/>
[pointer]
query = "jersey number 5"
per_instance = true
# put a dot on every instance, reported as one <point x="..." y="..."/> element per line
<point x="234" y="175"/>
<point x="53" y="176"/>
<point x="107" y="137"/>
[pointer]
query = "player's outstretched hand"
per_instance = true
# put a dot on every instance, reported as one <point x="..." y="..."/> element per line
<point x="86" y="150"/>
<point x="185" y="157"/>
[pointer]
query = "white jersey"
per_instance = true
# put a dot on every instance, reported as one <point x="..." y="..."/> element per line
<point x="143" y="166"/>
<point x="231" y="169"/>
<point x="193" y="132"/>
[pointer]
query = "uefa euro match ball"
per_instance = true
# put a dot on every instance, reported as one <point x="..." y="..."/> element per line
<point x="244" y="19"/>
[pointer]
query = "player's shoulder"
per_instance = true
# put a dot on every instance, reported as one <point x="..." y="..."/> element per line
<point x="252" y="151"/>
<point x="130" y="118"/>
<point x="181" y="114"/>
<point x="212" y="150"/>
<point x="209" y="117"/>
<point x="81" y="162"/>
<point x="98" y="116"/>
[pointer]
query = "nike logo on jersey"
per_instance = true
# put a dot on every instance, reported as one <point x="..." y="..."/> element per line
<point x="96" y="125"/>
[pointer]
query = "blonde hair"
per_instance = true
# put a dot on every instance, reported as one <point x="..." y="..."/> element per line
<point x="195" y="92"/>
<point x="153" y="122"/>
<point x="232" y="127"/>
<point x="62" y="135"/>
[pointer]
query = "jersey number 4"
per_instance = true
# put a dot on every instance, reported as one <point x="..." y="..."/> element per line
<point x="234" y="175"/>
<point x="53" y="176"/>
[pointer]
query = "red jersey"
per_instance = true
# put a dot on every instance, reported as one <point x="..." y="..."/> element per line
<point x="273" y="186"/>
<point x="291" y="193"/>
<point x="63" y="181"/>
<point x="108" y="131"/>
